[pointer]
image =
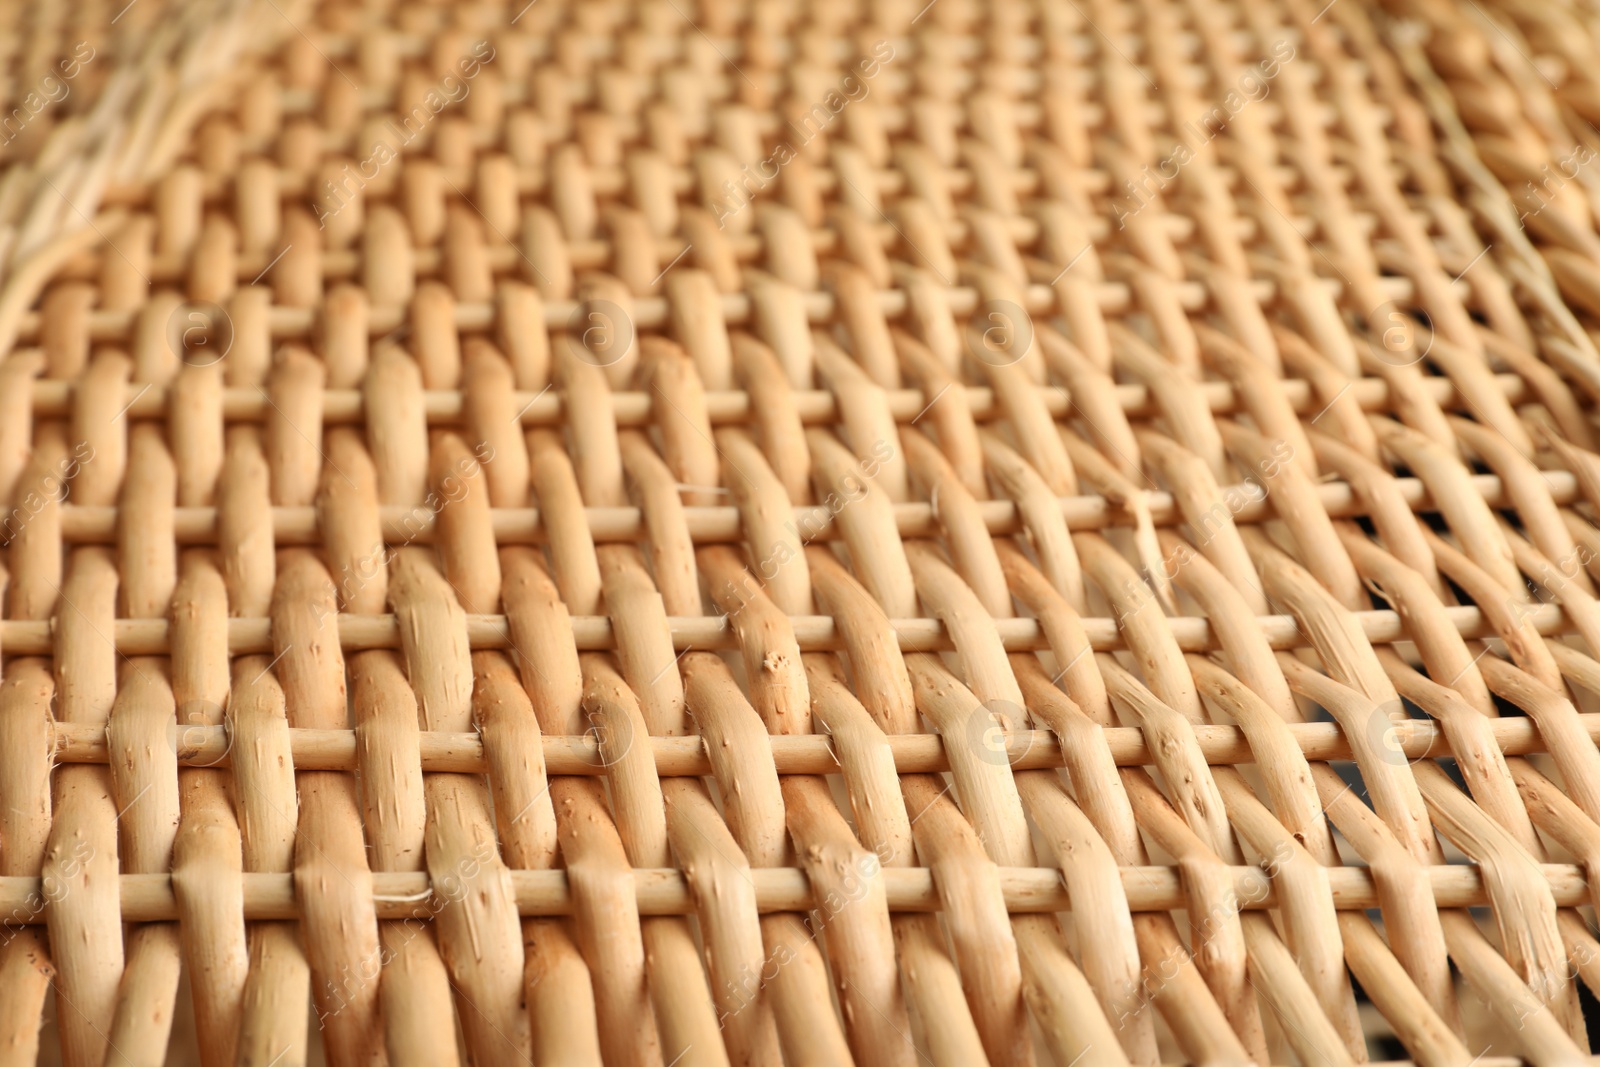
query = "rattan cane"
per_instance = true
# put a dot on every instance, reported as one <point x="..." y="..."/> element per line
<point x="756" y="532"/>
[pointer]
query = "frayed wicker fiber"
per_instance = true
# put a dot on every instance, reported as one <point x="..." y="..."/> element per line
<point x="763" y="532"/>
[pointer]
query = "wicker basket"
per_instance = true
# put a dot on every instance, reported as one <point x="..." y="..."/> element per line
<point x="1052" y="531"/>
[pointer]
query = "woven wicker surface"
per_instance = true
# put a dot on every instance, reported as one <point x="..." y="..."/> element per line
<point x="767" y="532"/>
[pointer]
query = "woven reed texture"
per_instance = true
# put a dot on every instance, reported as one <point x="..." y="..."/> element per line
<point x="755" y="532"/>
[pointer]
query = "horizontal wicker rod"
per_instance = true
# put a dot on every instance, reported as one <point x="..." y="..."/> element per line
<point x="665" y="891"/>
<point x="710" y="524"/>
<point x="505" y="258"/>
<point x="815" y="633"/>
<point x="737" y="308"/>
<point x="1025" y="81"/>
<point x="462" y="753"/>
<point x="815" y="406"/>
<point x="615" y="181"/>
<point x="1025" y="46"/>
<point x="610" y="180"/>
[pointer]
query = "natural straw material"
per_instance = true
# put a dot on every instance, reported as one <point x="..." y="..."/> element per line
<point x="755" y="532"/>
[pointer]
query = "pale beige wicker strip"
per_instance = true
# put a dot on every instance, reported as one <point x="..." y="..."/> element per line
<point x="759" y="532"/>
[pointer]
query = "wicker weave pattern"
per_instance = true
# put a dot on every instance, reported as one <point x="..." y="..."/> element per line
<point x="799" y="533"/>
